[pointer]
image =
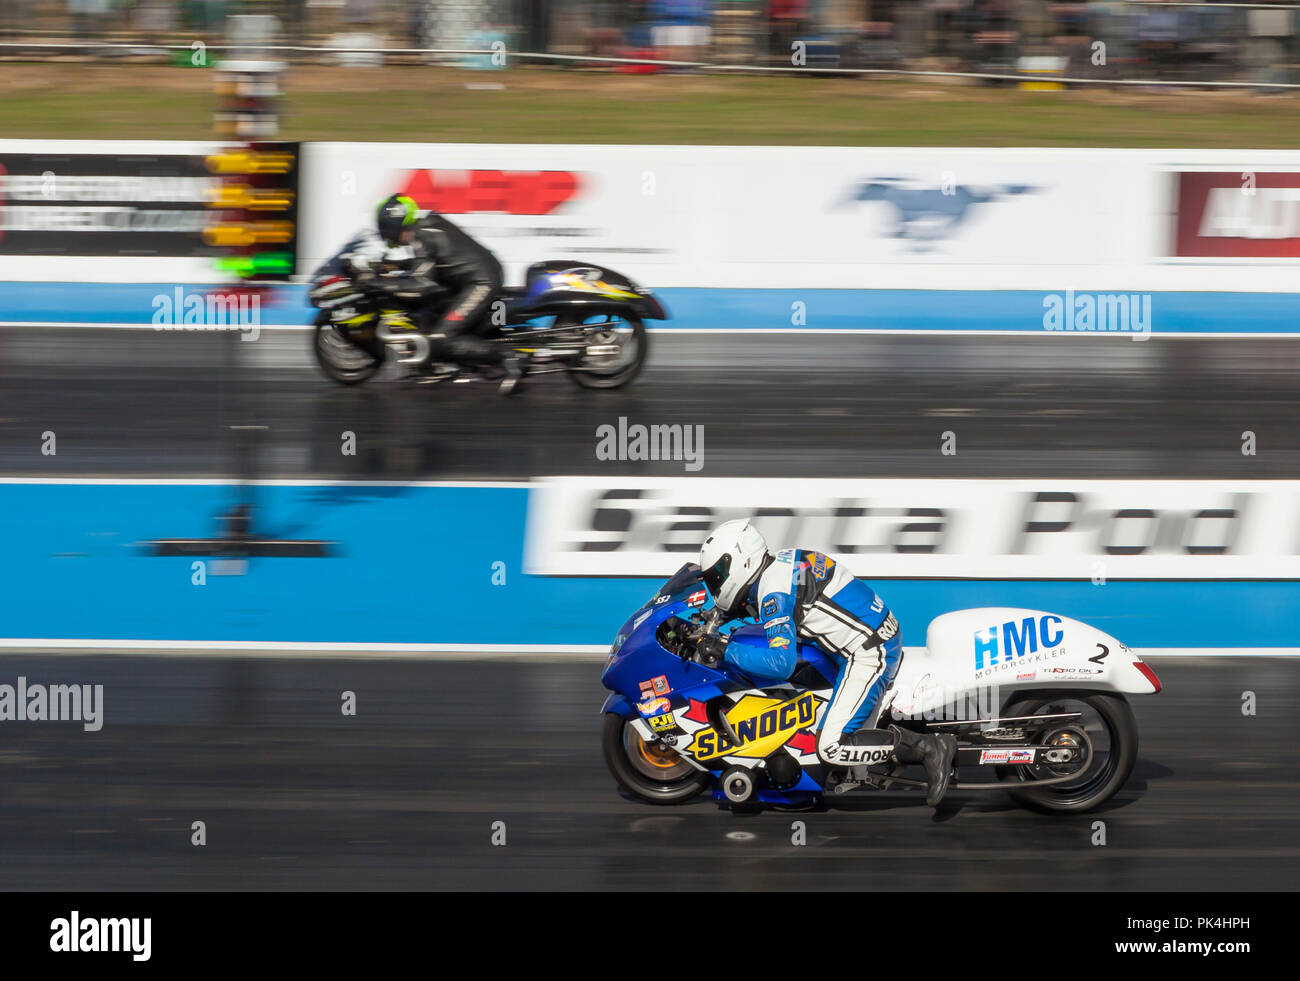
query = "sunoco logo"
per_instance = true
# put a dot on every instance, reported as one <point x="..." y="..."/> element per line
<point x="761" y="724"/>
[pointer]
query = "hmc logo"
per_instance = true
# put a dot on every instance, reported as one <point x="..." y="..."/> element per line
<point x="1018" y="638"/>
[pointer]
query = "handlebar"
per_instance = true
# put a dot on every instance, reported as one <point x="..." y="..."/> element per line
<point x="682" y="637"/>
<point x="712" y="620"/>
<point x="679" y="636"/>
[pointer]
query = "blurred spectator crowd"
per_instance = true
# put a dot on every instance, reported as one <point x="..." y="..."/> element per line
<point x="1192" y="41"/>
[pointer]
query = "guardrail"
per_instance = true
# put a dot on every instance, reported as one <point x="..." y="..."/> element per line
<point x="701" y="66"/>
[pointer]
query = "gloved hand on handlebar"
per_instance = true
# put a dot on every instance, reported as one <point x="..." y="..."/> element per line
<point x="369" y="281"/>
<point x="710" y="650"/>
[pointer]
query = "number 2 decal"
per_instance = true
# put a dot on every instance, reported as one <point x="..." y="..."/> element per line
<point x="1097" y="659"/>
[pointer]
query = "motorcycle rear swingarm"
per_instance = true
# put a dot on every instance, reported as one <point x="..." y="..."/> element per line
<point x="995" y="734"/>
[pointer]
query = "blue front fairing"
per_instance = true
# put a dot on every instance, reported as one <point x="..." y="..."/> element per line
<point x="640" y="657"/>
<point x="619" y="705"/>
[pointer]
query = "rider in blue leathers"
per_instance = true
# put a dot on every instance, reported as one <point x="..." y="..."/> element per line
<point x="804" y="595"/>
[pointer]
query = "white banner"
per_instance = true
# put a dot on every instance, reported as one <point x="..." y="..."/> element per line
<point x="946" y="529"/>
<point x="920" y="207"/>
<point x="798" y="217"/>
<point x="624" y="207"/>
<point x="744" y="218"/>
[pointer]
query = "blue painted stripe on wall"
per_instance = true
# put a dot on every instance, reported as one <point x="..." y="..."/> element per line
<point x="941" y="310"/>
<point x="415" y="566"/>
<point x="129" y="303"/>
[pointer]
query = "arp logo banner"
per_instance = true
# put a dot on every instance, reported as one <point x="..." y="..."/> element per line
<point x="1240" y="214"/>
<point x="525" y="203"/>
<point x="762" y="725"/>
<point x="1016" y="638"/>
<point x="463" y="192"/>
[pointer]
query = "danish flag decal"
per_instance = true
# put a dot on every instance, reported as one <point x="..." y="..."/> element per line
<point x="511" y="192"/>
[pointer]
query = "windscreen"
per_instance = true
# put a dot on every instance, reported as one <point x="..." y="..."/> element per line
<point x="684" y="578"/>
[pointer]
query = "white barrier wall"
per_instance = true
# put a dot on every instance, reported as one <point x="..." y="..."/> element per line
<point x="844" y="217"/>
<point x="712" y="217"/>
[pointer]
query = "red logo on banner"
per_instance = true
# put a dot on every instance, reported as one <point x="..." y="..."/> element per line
<point x="1242" y="214"/>
<point x="463" y="192"/>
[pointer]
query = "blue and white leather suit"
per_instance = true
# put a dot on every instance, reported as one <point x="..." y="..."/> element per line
<point x="811" y="597"/>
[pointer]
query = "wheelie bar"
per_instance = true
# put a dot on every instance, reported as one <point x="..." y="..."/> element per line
<point x="883" y="781"/>
<point x="984" y="726"/>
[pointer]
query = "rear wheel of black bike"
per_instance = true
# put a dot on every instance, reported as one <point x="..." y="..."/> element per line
<point x="616" y="348"/>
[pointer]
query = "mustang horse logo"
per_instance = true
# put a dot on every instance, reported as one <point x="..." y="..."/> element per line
<point x="924" y="215"/>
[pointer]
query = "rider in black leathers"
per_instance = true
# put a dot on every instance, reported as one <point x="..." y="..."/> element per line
<point x="443" y="257"/>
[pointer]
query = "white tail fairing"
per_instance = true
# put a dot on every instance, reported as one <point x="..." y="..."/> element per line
<point x="970" y="653"/>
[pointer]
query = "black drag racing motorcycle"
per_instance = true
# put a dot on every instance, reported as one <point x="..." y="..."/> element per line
<point x="571" y="317"/>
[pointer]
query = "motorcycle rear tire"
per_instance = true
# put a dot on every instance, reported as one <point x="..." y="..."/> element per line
<point x="1117" y="714"/>
<point x="596" y="379"/>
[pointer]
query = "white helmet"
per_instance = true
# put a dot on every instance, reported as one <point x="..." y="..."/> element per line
<point x="731" y="558"/>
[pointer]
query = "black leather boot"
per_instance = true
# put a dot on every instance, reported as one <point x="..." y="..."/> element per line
<point x="515" y="367"/>
<point x="934" y="751"/>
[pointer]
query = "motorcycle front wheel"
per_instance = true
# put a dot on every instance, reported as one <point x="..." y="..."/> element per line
<point x="648" y="771"/>
<point x="338" y="357"/>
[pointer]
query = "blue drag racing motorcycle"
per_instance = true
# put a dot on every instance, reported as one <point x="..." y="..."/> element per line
<point x="1048" y="718"/>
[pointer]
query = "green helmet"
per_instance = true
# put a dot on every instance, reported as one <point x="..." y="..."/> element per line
<point x="395" y="214"/>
